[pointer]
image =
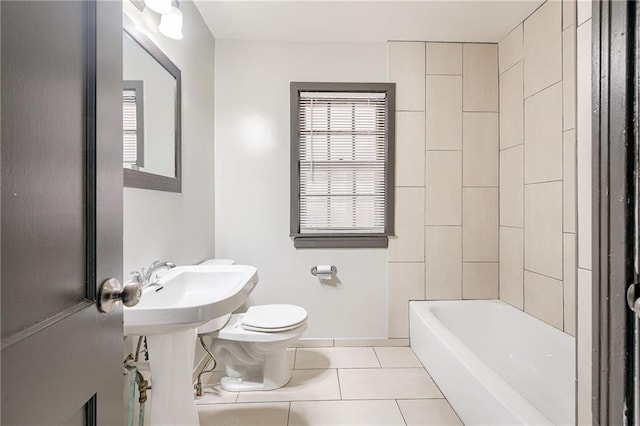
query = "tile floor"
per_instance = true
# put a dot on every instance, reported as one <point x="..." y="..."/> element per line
<point x="336" y="386"/>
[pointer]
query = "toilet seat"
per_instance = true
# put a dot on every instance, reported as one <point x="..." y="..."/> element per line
<point x="273" y="318"/>
<point x="236" y="331"/>
<point x="271" y="330"/>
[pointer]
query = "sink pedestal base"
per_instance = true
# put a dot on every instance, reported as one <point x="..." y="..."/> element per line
<point x="171" y="362"/>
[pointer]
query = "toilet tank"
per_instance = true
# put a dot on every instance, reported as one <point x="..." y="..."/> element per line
<point x="218" y="262"/>
<point x="247" y="303"/>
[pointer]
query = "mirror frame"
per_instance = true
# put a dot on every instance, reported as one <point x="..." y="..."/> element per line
<point x="146" y="180"/>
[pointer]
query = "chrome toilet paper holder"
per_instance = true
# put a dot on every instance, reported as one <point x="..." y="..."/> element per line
<point x="332" y="270"/>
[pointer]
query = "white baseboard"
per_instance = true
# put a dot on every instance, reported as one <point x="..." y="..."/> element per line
<point x="327" y="343"/>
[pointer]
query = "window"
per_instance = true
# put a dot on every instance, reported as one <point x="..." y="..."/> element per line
<point x="342" y="143"/>
<point x="133" y="124"/>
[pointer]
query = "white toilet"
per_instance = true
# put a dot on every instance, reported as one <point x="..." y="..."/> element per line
<point x="252" y="345"/>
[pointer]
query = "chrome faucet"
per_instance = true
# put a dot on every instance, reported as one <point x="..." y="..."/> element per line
<point x="144" y="278"/>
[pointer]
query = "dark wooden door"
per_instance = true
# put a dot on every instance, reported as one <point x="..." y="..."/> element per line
<point x="616" y="213"/>
<point x="61" y="211"/>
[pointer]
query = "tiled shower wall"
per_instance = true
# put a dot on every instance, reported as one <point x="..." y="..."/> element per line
<point x="538" y="165"/>
<point x="584" y="108"/>
<point x="486" y="202"/>
<point x="446" y="244"/>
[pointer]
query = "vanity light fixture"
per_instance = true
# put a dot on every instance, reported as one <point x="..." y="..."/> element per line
<point x="171" y="22"/>
<point x="159" y="6"/>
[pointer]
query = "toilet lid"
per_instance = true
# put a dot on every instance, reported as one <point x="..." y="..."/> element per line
<point x="273" y="317"/>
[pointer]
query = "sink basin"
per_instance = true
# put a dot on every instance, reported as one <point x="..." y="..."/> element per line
<point x="168" y="314"/>
<point x="189" y="296"/>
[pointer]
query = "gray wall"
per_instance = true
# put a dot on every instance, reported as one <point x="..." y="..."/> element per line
<point x="252" y="183"/>
<point x="164" y="225"/>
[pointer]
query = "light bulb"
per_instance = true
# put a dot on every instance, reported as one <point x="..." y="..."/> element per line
<point x="171" y="24"/>
<point x="159" y="6"/>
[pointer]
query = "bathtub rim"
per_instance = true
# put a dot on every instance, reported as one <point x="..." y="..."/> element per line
<point x="503" y="392"/>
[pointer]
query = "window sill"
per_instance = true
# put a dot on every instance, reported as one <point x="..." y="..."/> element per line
<point x="340" y="241"/>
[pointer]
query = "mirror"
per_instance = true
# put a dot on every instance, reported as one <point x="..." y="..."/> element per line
<point x="151" y="113"/>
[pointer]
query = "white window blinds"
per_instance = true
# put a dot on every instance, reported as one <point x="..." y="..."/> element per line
<point x="342" y="157"/>
<point x="130" y="127"/>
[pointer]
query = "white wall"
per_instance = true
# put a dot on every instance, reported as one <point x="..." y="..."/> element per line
<point x="163" y="225"/>
<point x="252" y="183"/>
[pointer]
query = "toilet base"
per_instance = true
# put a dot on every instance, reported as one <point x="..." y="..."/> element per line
<point x="231" y="384"/>
<point x="276" y="374"/>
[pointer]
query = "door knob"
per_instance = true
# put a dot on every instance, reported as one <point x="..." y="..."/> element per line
<point x="112" y="292"/>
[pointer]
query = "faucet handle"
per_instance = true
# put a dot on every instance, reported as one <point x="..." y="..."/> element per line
<point x="136" y="276"/>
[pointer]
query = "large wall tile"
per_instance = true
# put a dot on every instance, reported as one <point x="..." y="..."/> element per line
<point x="444" y="112"/>
<point x="410" y="149"/>
<point x="584" y="145"/>
<point x="569" y="283"/>
<point x="480" y="149"/>
<point x="480" y="281"/>
<point x="444" y="58"/>
<point x="543" y="228"/>
<point x="512" y="107"/>
<point x="569" y="78"/>
<point x="543" y="48"/>
<point x="407" y="70"/>
<point x="569" y="182"/>
<point x="444" y="262"/>
<point x="480" y="72"/>
<point x="406" y="282"/>
<point x="408" y="244"/>
<point x="584" y="343"/>
<point x="543" y="298"/>
<point x="480" y="225"/>
<point x="512" y="187"/>
<point x="543" y="136"/>
<point x="512" y="266"/>
<point x="444" y="188"/>
<point x="510" y="49"/>
<point x="568" y="13"/>
<point x="584" y="11"/>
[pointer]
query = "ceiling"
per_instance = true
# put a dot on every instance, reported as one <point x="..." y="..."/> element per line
<point x="365" y="21"/>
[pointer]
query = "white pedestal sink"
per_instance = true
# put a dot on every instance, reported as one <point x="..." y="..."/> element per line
<point x="169" y="314"/>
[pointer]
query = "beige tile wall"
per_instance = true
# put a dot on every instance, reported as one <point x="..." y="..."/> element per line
<point x="537" y="189"/>
<point x="495" y="190"/>
<point x="447" y="175"/>
<point x="582" y="141"/>
<point x="406" y="254"/>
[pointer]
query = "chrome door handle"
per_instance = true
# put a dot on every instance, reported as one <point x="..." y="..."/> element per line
<point x="633" y="296"/>
<point x="112" y="292"/>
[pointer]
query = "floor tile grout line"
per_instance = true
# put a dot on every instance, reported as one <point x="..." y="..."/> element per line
<point x="401" y="413"/>
<point x="341" y="396"/>
<point x="410" y="398"/>
<point x="377" y="357"/>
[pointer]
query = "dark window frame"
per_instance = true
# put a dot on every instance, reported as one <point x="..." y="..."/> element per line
<point x="342" y="240"/>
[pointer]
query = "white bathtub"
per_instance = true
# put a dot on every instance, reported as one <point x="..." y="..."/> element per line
<point x="495" y="364"/>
